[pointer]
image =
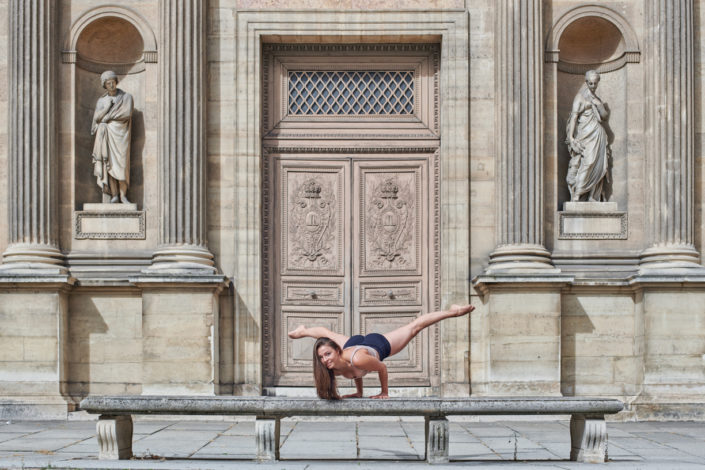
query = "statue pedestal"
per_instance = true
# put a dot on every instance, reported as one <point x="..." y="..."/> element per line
<point x="109" y="222"/>
<point x="592" y="221"/>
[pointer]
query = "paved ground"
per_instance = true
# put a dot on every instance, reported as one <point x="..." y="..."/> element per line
<point x="329" y="444"/>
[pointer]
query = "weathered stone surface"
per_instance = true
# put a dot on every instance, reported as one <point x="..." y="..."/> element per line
<point x="114" y="437"/>
<point x="588" y="439"/>
<point x="437" y="439"/>
<point x="282" y="406"/>
<point x="267" y="438"/>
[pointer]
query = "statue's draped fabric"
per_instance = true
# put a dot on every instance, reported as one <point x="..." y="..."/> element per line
<point x="111" y="150"/>
<point x="587" y="170"/>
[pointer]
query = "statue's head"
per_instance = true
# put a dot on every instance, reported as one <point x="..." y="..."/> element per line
<point x="108" y="75"/>
<point x="592" y="79"/>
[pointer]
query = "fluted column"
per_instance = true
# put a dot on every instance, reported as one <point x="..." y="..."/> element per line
<point x="32" y="192"/>
<point x="182" y="149"/>
<point x="669" y="150"/>
<point x="520" y="96"/>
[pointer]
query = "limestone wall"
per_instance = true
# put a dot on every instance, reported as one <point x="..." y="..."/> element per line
<point x="590" y="321"/>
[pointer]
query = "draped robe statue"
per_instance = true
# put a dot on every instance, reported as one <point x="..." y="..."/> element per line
<point x="587" y="143"/>
<point x="112" y="122"/>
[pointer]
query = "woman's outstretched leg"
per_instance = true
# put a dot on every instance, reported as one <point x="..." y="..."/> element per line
<point x="399" y="338"/>
<point x="318" y="332"/>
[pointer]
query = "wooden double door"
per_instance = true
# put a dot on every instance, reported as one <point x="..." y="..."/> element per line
<point x="349" y="246"/>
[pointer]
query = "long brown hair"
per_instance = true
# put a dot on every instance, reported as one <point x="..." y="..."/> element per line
<point x="324" y="377"/>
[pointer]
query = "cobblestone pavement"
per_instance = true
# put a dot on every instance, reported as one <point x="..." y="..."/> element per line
<point x="318" y="444"/>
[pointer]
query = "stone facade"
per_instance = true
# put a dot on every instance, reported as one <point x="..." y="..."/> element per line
<point x="169" y="298"/>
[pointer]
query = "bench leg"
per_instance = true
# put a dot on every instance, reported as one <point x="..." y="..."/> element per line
<point x="267" y="437"/>
<point x="114" y="437"/>
<point x="437" y="433"/>
<point x="588" y="436"/>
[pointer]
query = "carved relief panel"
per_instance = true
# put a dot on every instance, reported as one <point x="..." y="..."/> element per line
<point x="312" y="203"/>
<point x="389" y="213"/>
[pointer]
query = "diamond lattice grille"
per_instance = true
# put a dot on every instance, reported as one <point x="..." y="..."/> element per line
<point x="367" y="92"/>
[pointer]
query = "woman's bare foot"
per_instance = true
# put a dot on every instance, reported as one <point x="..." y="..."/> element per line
<point x="460" y="310"/>
<point x="297" y="333"/>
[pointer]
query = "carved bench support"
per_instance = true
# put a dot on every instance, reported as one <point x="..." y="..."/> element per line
<point x="114" y="437"/>
<point x="588" y="436"/>
<point x="267" y="437"/>
<point x="437" y="433"/>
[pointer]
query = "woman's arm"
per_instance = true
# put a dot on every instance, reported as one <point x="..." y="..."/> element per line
<point x="369" y="363"/>
<point x="358" y="385"/>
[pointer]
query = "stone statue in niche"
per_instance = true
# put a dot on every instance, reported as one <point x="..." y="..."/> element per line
<point x="587" y="143"/>
<point x="111" y="150"/>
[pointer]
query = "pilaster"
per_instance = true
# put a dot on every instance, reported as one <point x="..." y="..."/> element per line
<point x="669" y="157"/>
<point x="182" y="147"/>
<point x="32" y="192"/>
<point x="519" y="94"/>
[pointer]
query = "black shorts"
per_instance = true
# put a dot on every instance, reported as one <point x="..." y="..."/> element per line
<point x="373" y="340"/>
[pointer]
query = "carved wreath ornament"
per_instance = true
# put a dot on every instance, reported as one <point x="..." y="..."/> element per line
<point x="311" y="220"/>
<point x="388" y="221"/>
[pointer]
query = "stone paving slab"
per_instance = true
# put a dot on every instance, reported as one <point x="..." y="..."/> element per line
<point x="318" y="444"/>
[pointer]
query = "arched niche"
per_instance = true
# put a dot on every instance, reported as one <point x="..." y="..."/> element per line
<point x="118" y="39"/>
<point x="591" y="37"/>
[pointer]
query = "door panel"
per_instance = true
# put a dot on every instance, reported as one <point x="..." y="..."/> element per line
<point x="312" y="284"/>
<point x="391" y="238"/>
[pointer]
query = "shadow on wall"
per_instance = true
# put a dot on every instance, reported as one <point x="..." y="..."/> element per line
<point x="85" y="321"/>
<point x="248" y="353"/>
<point x="574" y="323"/>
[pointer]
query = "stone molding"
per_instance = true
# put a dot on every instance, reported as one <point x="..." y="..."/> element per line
<point x="632" y="53"/>
<point x="81" y="216"/>
<point x="449" y="27"/>
<point x="565" y="216"/>
<point x="486" y="283"/>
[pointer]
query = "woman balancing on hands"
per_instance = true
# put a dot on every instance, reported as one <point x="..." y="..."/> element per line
<point x="353" y="357"/>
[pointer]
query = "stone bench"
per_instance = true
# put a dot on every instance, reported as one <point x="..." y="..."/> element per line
<point x="588" y="429"/>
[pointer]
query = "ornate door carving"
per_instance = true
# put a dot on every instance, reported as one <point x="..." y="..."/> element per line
<point x="350" y="241"/>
